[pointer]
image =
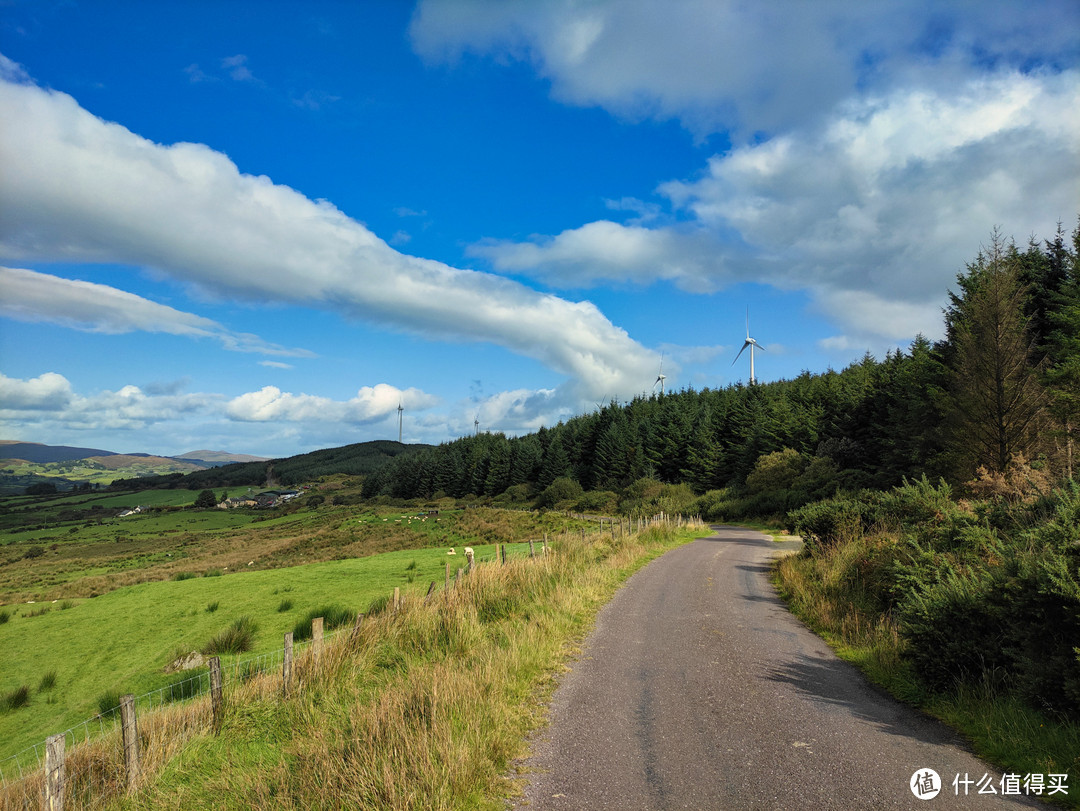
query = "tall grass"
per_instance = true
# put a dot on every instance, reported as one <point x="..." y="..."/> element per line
<point x="237" y="638"/>
<point x="423" y="708"/>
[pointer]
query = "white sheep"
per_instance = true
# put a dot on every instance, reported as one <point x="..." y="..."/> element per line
<point x="451" y="552"/>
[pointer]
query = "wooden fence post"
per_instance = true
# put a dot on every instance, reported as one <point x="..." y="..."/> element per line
<point x="469" y="556"/>
<point x="357" y="624"/>
<point x="215" y="690"/>
<point x="130" y="727"/>
<point x="532" y="551"/>
<point x="397" y="599"/>
<point x="446" y="586"/>
<point x="545" y="544"/>
<point x="316" y="637"/>
<point x="286" y="666"/>
<point x="501" y="549"/>
<point x="54" y="773"/>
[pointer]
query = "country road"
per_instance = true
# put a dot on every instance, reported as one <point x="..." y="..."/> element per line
<point x="697" y="689"/>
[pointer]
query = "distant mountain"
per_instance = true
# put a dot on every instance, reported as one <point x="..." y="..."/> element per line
<point x="41" y="454"/>
<point x="214" y="458"/>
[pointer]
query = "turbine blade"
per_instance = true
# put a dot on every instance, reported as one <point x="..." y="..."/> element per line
<point x="740" y="352"/>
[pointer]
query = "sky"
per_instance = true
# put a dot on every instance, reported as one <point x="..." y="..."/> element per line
<point x="260" y="227"/>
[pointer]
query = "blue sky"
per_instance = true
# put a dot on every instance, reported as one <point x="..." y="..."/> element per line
<point x="258" y="227"/>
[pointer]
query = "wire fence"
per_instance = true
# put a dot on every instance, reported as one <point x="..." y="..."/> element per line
<point x="161" y="721"/>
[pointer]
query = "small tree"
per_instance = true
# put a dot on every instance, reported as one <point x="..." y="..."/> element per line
<point x="206" y="499"/>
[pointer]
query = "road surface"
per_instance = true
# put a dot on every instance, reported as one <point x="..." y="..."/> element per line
<point x="697" y="689"/>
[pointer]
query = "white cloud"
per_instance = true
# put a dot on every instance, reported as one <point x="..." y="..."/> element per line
<point x="873" y="210"/>
<point x="48" y="392"/>
<point x="76" y="188"/>
<point x="371" y="403"/>
<point x="34" y="297"/>
<point x="48" y="400"/>
<point x="750" y="67"/>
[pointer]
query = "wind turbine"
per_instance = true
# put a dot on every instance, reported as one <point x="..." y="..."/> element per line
<point x="749" y="342"/>
<point x="400" y="408"/>
<point x="476" y="423"/>
<point x="660" y="377"/>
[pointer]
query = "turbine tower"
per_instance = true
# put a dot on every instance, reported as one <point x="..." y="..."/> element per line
<point x="400" y="408"/>
<point x="660" y="377"/>
<point x="476" y="423"/>
<point x="749" y="342"/>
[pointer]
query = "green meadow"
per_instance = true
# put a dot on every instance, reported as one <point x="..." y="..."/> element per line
<point x="70" y="652"/>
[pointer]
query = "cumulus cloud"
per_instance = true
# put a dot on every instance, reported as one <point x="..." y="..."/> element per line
<point x="48" y="392"/>
<point x="874" y="209"/>
<point x="50" y="400"/>
<point x="77" y="188"/>
<point x="701" y="61"/>
<point x="32" y="296"/>
<point x="371" y="403"/>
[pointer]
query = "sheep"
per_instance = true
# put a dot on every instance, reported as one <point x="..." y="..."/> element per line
<point x="451" y="552"/>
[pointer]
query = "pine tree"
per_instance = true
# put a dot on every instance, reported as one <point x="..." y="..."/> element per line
<point x="998" y="403"/>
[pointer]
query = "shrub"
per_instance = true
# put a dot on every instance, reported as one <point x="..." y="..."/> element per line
<point x="826" y="523"/>
<point x="19" y="697"/>
<point x="603" y="502"/>
<point x="237" y="638"/>
<point x="561" y="492"/>
<point x="183" y="576"/>
<point x="775" y="471"/>
<point x="4" y="617"/>
<point x="34" y="552"/>
<point x="333" y="616"/>
<point x="213" y="573"/>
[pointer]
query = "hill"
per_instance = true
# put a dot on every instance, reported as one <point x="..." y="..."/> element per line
<point x="358" y="459"/>
<point x="37" y="452"/>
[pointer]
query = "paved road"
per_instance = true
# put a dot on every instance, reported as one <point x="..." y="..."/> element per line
<point x="697" y="689"/>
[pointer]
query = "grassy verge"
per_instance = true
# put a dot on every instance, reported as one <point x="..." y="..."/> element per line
<point x="826" y="592"/>
<point x="426" y="708"/>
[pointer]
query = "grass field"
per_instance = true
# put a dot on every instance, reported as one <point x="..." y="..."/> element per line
<point x="121" y="641"/>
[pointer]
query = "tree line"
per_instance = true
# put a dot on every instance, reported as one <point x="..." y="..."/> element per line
<point x="1001" y="388"/>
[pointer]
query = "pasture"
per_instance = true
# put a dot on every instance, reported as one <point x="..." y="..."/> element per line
<point x="122" y="641"/>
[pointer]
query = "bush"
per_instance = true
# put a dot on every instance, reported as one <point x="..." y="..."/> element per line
<point x="603" y="502"/>
<point x="4" y="617"/>
<point x="183" y="576"/>
<point x="826" y="523"/>
<point x="237" y="638"/>
<point x="560" y="494"/>
<point x="34" y="552"/>
<point x="333" y="616"/>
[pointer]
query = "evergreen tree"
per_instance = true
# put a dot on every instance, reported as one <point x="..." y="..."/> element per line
<point x="997" y="401"/>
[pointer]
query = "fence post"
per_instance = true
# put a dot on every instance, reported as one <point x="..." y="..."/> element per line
<point x="130" y="727"/>
<point x="500" y="550"/>
<point x="397" y="599"/>
<point x="357" y="624"/>
<point x="54" y="773"/>
<point x="532" y="551"/>
<point x="286" y="666"/>
<point x="215" y="690"/>
<point x="316" y="637"/>
<point x="469" y="555"/>
<point x="446" y="587"/>
<point x="545" y="544"/>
